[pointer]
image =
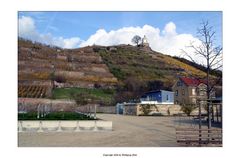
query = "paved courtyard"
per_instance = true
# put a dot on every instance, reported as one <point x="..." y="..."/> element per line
<point x="128" y="131"/>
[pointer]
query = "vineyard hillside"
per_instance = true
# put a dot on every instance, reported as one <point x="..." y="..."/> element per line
<point x="40" y="67"/>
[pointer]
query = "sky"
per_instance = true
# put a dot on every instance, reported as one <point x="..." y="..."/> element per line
<point x="167" y="32"/>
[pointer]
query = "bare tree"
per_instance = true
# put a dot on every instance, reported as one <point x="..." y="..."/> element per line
<point x="211" y="54"/>
<point x="136" y="40"/>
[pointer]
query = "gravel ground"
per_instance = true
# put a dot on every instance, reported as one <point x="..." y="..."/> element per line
<point x="128" y="131"/>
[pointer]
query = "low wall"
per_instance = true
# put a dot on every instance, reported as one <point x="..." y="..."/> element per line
<point x="161" y="109"/>
<point x="158" y="109"/>
<point x="64" y="126"/>
<point x="131" y="110"/>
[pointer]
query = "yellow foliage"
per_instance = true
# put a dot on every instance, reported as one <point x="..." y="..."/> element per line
<point x="187" y="67"/>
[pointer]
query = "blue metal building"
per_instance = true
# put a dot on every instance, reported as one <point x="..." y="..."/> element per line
<point x="158" y="97"/>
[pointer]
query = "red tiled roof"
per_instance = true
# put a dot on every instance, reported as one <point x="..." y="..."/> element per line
<point x="192" y="81"/>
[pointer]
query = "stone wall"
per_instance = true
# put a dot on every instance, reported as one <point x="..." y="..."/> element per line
<point x="131" y="110"/>
<point x="161" y="109"/>
<point x="171" y="110"/>
<point x="158" y="110"/>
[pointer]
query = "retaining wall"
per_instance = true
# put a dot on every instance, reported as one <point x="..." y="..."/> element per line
<point x="161" y="109"/>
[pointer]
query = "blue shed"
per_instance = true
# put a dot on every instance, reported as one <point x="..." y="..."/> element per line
<point x="158" y="97"/>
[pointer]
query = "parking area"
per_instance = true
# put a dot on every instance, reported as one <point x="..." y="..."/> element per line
<point x="128" y="131"/>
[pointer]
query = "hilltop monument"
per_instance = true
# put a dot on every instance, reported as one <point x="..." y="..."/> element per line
<point x="145" y="41"/>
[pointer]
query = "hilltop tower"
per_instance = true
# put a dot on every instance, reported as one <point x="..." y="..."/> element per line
<point x="145" y="41"/>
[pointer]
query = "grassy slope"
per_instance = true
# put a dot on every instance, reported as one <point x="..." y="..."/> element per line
<point x="130" y="61"/>
<point x="65" y="93"/>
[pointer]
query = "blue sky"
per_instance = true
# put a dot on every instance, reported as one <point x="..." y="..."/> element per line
<point x="167" y="32"/>
<point x="84" y="24"/>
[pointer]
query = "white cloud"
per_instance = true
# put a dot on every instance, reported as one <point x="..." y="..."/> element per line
<point x="27" y="29"/>
<point x="71" y="42"/>
<point x="167" y="41"/>
<point x="170" y="29"/>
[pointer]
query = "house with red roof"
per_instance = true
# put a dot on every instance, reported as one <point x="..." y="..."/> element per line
<point x="190" y="90"/>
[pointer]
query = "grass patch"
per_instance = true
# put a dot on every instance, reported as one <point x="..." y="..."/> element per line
<point x="66" y="93"/>
<point x="54" y="116"/>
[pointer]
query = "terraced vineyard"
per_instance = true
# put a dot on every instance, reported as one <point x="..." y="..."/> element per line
<point x="32" y="91"/>
<point x="80" y="67"/>
<point x="122" y="67"/>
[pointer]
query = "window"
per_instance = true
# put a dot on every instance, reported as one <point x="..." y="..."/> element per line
<point x="183" y="92"/>
<point x="202" y="92"/>
<point x="194" y="100"/>
<point x="179" y="83"/>
<point x="176" y="93"/>
<point x="167" y="97"/>
<point x="193" y="91"/>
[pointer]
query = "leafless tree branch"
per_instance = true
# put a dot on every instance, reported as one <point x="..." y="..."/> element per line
<point x="189" y="56"/>
<point x="217" y="62"/>
<point x="220" y="66"/>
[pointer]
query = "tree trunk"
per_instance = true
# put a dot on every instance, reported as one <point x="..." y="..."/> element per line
<point x="208" y="92"/>
<point x="200" y="123"/>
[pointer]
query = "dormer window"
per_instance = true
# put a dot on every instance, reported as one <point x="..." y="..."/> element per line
<point x="183" y="92"/>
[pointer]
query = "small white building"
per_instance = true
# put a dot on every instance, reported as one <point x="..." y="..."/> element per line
<point x="145" y="41"/>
